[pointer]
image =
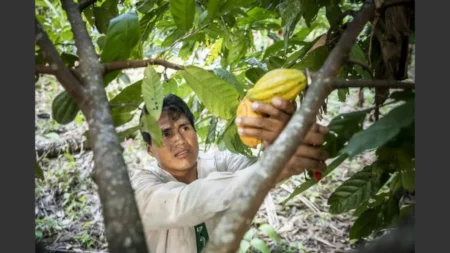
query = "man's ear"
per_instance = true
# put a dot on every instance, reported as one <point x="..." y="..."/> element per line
<point x="150" y="150"/>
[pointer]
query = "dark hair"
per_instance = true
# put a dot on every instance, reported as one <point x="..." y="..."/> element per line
<point x="176" y="106"/>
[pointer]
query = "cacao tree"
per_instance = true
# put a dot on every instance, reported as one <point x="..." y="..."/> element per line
<point x="210" y="53"/>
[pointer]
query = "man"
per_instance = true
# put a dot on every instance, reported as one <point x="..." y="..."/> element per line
<point x="184" y="194"/>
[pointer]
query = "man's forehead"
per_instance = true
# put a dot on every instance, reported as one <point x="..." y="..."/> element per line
<point x="167" y="119"/>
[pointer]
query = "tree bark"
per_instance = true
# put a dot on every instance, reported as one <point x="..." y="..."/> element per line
<point x="236" y="221"/>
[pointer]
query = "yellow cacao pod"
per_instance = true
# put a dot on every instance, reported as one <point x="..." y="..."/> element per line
<point x="245" y="110"/>
<point x="283" y="83"/>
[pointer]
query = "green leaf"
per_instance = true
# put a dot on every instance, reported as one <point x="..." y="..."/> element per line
<point x="89" y="15"/>
<point x="104" y="14"/>
<point x="383" y="130"/>
<point x="309" y="8"/>
<point x="365" y="224"/>
<point x="150" y="125"/>
<point x="152" y="91"/>
<point x="333" y="13"/>
<point x="354" y="191"/>
<point x="214" y="7"/>
<point x="314" y="59"/>
<point x="122" y="37"/>
<point x="237" y="46"/>
<point x="170" y="87"/>
<point x="128" y="133"/>
<point x="124" y="78"/>
<point x="260" y="245"/>
<point x="38" y="173"/>
<point x="211" y="137"/>
<point x="256" y="14"/>
<point x="341" y="129"/>
<point x="406" y="167"/>
<point x="403" y="95"/>
<point x="130" y="98"/>
<point x="148" y="21"/>
<point x="270" y="232"/>
<point x="254" y="74"/>
<point x="231" y="79"/>
<point x="145" y="6"/>
<point x="183" y="12"/>
<point x="244" y="246"/>
<point x="311" y="182"/>
<point x="230" y="140"/>
<point x="377" y="200"/>
<point x="120" y="118"/>
<point x="64" y="108"/>
<point x="218" y="96"/>
<point x="69" y="59"/>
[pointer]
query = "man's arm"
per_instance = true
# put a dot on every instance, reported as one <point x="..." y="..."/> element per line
<point x="175" y="204"/>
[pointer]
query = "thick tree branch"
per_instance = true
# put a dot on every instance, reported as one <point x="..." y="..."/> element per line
<point x="57" y="66"/>
<point x="83" y="4"/>
<point x="340" y="84"/>
<point x="123" y="227"/>
<point x="232" y="227"/>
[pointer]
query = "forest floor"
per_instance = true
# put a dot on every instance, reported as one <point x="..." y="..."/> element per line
<point x="68" y="212"/>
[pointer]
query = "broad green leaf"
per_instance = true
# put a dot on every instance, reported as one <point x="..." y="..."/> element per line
<point x="148" y="21"/>
<point x="406" y="167"/>
<point x="311" y="182"/>
<point x="354" y="191"/>
<point x="124" y="78"/>
<point x="64" y="108"/>
<point x="314" y="59"/>
<point x="333" y="13"/>
<point x="89" y="15"/>
<point x="275" y="62"/>
<point x="403" y="95"/>
<point x="371" y="203"/>
<point x="389" y="213"/>
<point x="382" y="130"/>
<point x="237" y="46"/>
<point x="150" y="125"/>
<point x="214" y="7"/>
<point x="128" y="99"/>
<point x="170" y="87"/>
<point x="183" y="91"/>
<point x="122" y="37"/>
<point x="152" y="91"/>
<point x="38" y="173"/>
<point x="128" y="133"/>
<point x="260" y="245"/>
<point x="244" y="246"/>
<point x="270" y="232"/>
<point x="105" y="13"/>
<point x="365" y="224"/>
<point x="358" y="54"/>
<point x="183" y="12"/>
<point x="342" y="128"/>
<point x="186" y="50"/>
<point x="256" y="14"/>
<point x="69" y="59"/>
<point x="277" y="48"/>
<point x="231" y="79"/>
<point x="218" y="96"/>
<point x="144" y="6"/>
<point x="309" y="8"/>
<point x="211" y="137"/>
<point x="120" y="118"/>
<point x="230" y="140"/>
<point x="254" y="74"/>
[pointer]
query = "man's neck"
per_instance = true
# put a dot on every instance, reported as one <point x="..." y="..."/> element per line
<point x="186" y="177"/>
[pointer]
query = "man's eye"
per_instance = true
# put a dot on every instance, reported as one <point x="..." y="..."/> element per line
<point x="166" y="134"/>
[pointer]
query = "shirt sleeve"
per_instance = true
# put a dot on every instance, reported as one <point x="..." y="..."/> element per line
<point x="175" y="204"/>
<point x="231" y="162"/>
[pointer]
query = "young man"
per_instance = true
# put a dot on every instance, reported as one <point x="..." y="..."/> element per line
<point x="183" y="195"/>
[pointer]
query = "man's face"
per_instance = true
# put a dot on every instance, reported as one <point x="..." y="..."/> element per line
<point x="180" y="150"/>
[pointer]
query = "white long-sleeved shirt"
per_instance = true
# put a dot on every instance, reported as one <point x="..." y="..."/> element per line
<point x="171" y="209"/>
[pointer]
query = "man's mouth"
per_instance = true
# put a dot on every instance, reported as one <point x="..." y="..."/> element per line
<point x="182" y="154"/>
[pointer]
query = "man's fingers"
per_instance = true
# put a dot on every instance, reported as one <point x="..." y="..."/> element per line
<point x="314" y="138"/>
<point x="251" y="122"/>
<point x="315" y="153"/>
<point x="284" y="105"/>
<point x="257" y="133"/>
<point x="299" y="164"/>
<point x="319" y="129"/>
<point x="270" y="110"/>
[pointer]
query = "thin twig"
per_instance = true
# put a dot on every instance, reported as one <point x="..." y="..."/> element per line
<point x="112" y="66"/>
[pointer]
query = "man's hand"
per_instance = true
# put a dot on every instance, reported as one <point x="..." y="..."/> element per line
<point x="308" y="156"/>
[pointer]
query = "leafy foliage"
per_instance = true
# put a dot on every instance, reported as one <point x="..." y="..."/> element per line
<point x="226" y="47"/>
